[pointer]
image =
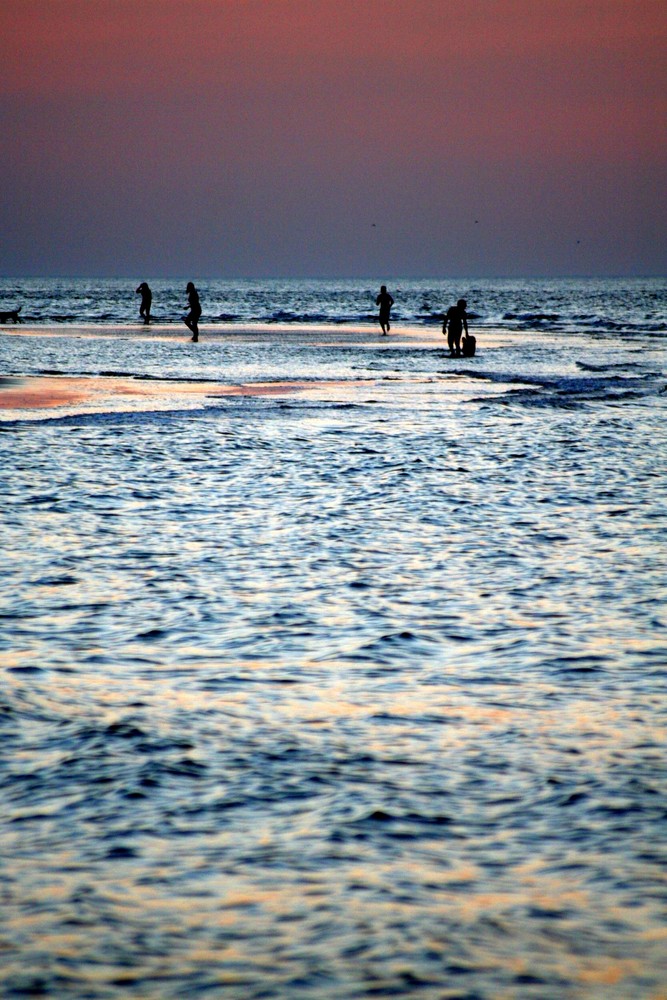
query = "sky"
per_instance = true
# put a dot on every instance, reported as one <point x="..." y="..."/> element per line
<point x="341" y="138"/>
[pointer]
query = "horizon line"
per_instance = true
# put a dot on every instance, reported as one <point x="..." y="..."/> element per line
<point x="338" y="277"/>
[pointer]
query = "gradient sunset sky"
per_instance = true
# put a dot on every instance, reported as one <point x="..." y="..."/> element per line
<point x="222" y="138"/>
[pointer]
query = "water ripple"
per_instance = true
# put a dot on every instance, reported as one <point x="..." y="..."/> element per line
<point x="337" y="701"/>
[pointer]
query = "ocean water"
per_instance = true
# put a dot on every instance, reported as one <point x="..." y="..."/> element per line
<point x="345" y="693"/>
<point x="599" y="305"/>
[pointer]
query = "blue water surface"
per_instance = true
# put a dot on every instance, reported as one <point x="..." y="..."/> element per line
<point x="599" y="305"/>
<point x="349" y="693"/>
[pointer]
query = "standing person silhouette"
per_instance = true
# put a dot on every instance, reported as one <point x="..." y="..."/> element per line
<point x="146" y="301"/>
<point x="192" y="318"/>
<point x="385" y="302"/>
<point x="456" y="321"/>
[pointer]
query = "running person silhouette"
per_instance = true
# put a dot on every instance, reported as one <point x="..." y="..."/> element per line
<point x="192" y="318"/>
<point x="385" y="302"/>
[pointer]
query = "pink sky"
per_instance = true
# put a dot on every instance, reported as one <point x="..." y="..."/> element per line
<point x="266" y="137"/>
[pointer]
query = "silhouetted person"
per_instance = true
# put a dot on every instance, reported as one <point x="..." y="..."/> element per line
<point x="146" y="301"/>
<point x="385" y="302"/>
<point x="192" y="318"/>
<point x="456" y="321"/>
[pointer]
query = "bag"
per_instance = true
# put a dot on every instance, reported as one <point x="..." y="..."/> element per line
<point x="468" y="345"/>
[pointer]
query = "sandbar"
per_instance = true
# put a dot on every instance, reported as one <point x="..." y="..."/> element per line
<point x="93" y="394"/>
<point x="316" y="335"/>
<point x="29" y="396"/>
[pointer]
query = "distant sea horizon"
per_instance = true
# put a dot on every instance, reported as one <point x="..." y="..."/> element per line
<point x="206" y="276"/>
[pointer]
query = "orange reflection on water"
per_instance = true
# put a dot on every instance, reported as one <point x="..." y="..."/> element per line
<point x="605" y="971"/>
<point x="90" y="394"/>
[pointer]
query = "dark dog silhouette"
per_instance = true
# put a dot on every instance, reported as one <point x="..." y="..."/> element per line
<point x="11" y="316"/>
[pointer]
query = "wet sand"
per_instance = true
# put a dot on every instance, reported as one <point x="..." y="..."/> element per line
<point x="294" y="333"/>
<point x="27" y="395"/>
<point x="314" y="333"/>
<point x="92" y="394"/>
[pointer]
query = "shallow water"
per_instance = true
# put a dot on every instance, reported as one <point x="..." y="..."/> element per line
<point x="598" y="305"/>
<point x="340" y="696"/>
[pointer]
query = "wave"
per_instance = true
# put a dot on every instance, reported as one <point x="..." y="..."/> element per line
<point x="532" y="317"/>
<point x="623" y="307"/>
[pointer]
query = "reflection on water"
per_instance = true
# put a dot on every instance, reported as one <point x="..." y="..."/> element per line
<point x="323" y="698"/>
